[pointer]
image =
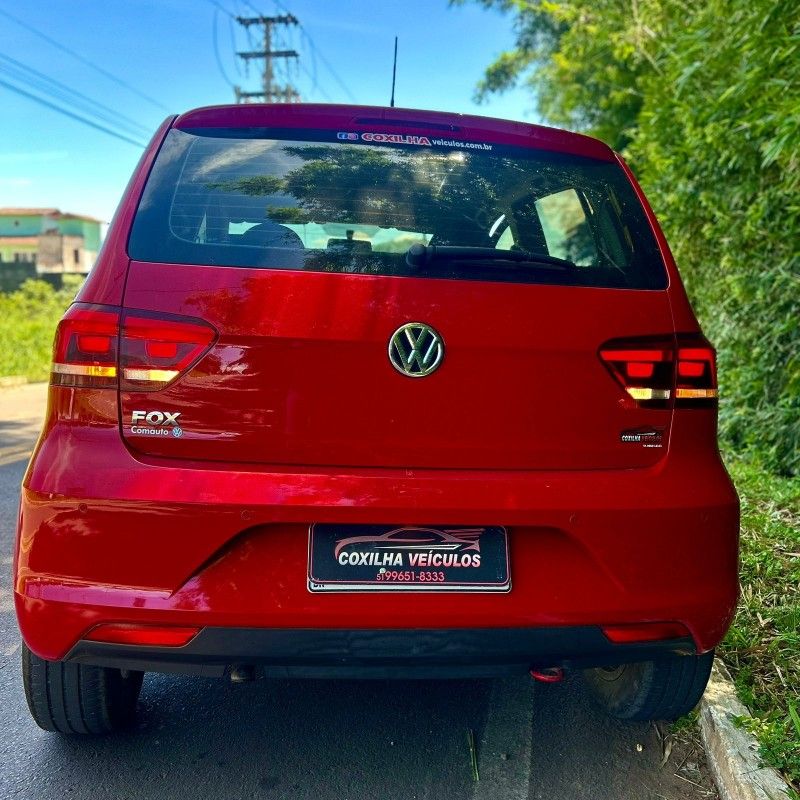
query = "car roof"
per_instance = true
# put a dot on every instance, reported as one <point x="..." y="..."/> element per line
<point x="402" y="121"/>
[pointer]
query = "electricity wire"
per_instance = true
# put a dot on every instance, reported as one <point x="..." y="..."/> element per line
<point x="61" y="92"/>
<point x="110" y="76"/>
<point x="67" y="113"/>
<point x="312" y="45"/>
<point x="216" y="48"/>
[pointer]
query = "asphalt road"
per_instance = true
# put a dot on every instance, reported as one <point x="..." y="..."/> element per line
<point x="326" y="740"/>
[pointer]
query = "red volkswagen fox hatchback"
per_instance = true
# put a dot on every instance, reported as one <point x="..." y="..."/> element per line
<point x="376" y="392"/>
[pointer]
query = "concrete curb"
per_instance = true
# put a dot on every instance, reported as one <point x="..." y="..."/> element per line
<point x="7" y="381"/>
<point x="732" y="752"/>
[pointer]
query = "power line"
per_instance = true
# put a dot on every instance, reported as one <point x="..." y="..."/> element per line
<point x="314" y="81"/>
<point x="321" y="55"/>
<point x="59" y="91"/>
<point x="314" y="85"/>
<point x="216" y="49"/>
<point x="67" y="113"/>
<point x="83" y="60"/>
<point x="270" y="91"/>
<point x="232" y="35"/>
<point x="328" y="65"/>
<point x="312" y="44"/>
<point x="220" y="7"/>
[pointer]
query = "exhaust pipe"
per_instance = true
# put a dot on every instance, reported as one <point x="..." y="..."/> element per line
<point x="548" y="675"/>
<point x="242" y="673"/>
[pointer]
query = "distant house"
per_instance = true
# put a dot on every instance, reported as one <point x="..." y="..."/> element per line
<point x="48" y="241"/>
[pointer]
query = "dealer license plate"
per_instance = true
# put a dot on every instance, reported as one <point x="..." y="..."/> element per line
<point x="415" y="558"/>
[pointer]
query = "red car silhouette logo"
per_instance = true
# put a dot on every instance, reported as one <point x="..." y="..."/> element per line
<point x="410" y="538"/>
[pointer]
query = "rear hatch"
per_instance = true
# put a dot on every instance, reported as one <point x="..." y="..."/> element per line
<point x="270" y="273"/>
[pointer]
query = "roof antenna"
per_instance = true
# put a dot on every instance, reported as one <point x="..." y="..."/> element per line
<point x="394" y="72"/>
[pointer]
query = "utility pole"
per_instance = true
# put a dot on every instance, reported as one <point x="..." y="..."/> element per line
<point x="270" y="92"/>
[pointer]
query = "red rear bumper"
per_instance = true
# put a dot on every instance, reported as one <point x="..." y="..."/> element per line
<point x="106" y="537"/>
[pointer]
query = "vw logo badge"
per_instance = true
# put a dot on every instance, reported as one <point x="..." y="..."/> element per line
<point x="416" y="349"/>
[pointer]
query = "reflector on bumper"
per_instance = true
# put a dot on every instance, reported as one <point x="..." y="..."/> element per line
<point x="154" y="635"/>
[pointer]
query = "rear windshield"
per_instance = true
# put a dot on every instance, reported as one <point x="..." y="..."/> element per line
<point x="344" y="202"/>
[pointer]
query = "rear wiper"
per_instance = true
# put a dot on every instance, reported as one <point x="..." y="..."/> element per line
<point x="418" y="255"/>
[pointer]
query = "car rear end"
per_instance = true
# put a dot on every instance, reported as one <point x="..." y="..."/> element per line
<point x="274" y="441"/>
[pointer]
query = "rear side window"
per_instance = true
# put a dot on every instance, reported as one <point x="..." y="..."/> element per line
<point x="307" y="200"/>
<point x="565" y="227"/>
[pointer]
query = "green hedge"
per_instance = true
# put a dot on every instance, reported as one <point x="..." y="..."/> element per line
<point x="717" y="148"/>
<point x="28" y="319"/>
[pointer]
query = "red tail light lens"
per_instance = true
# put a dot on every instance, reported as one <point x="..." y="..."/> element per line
<point x="656" y="372"/>
<point x="696" y="382"/>
<point x="85" y="349"/>
<point x="155" y="349"/>
<point x="143" y="352"/>
<point x="644" y="368"/>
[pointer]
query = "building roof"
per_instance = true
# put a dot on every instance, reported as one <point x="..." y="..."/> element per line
<point x="84" y="217"/>
<point x="28" y="212"/>
<point x="45" y="212"/>
<point x="19" y="240"/>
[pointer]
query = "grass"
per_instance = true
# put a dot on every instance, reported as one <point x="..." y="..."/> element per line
<point x="28" y="319"/>
<point x="762" y="649"/>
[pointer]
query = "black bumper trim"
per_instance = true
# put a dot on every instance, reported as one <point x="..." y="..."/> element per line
<point x="383" y="653"/>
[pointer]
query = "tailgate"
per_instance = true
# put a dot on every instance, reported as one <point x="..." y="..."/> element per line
<point x="300" y="373"/>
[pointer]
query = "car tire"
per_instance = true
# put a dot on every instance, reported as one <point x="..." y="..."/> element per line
<point x="652" y="690"/>
<point x="79" y="698"/>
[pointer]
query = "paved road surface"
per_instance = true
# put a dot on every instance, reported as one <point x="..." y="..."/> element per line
<point x="323" y="740"/>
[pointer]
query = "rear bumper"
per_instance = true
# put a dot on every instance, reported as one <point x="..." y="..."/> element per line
<point x="378" y="653"/>
<point x="105" y="536"/>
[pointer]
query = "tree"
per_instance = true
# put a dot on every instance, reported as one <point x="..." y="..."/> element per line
<point x="453" y="193"/>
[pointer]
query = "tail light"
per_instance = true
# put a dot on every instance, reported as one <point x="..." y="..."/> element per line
<point x="696" y="380"/>
<point x="104" y="347"/>
<point x="156" y="348"/>
<point x="658" y="371"/>
<point x="85" y="349"/>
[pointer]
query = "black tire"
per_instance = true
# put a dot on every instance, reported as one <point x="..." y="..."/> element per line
<point x="652" y="690"/>
<point x="79" y="698"/>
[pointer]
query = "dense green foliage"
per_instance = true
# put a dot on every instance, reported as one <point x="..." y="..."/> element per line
<point x="28" y="319"/>
<point x="704" y="100"/>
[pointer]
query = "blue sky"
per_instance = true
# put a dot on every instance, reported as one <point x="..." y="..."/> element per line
<point x="165" y="49"/>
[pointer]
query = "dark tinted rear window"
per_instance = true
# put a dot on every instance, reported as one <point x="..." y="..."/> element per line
<point x="330" y="201"/>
